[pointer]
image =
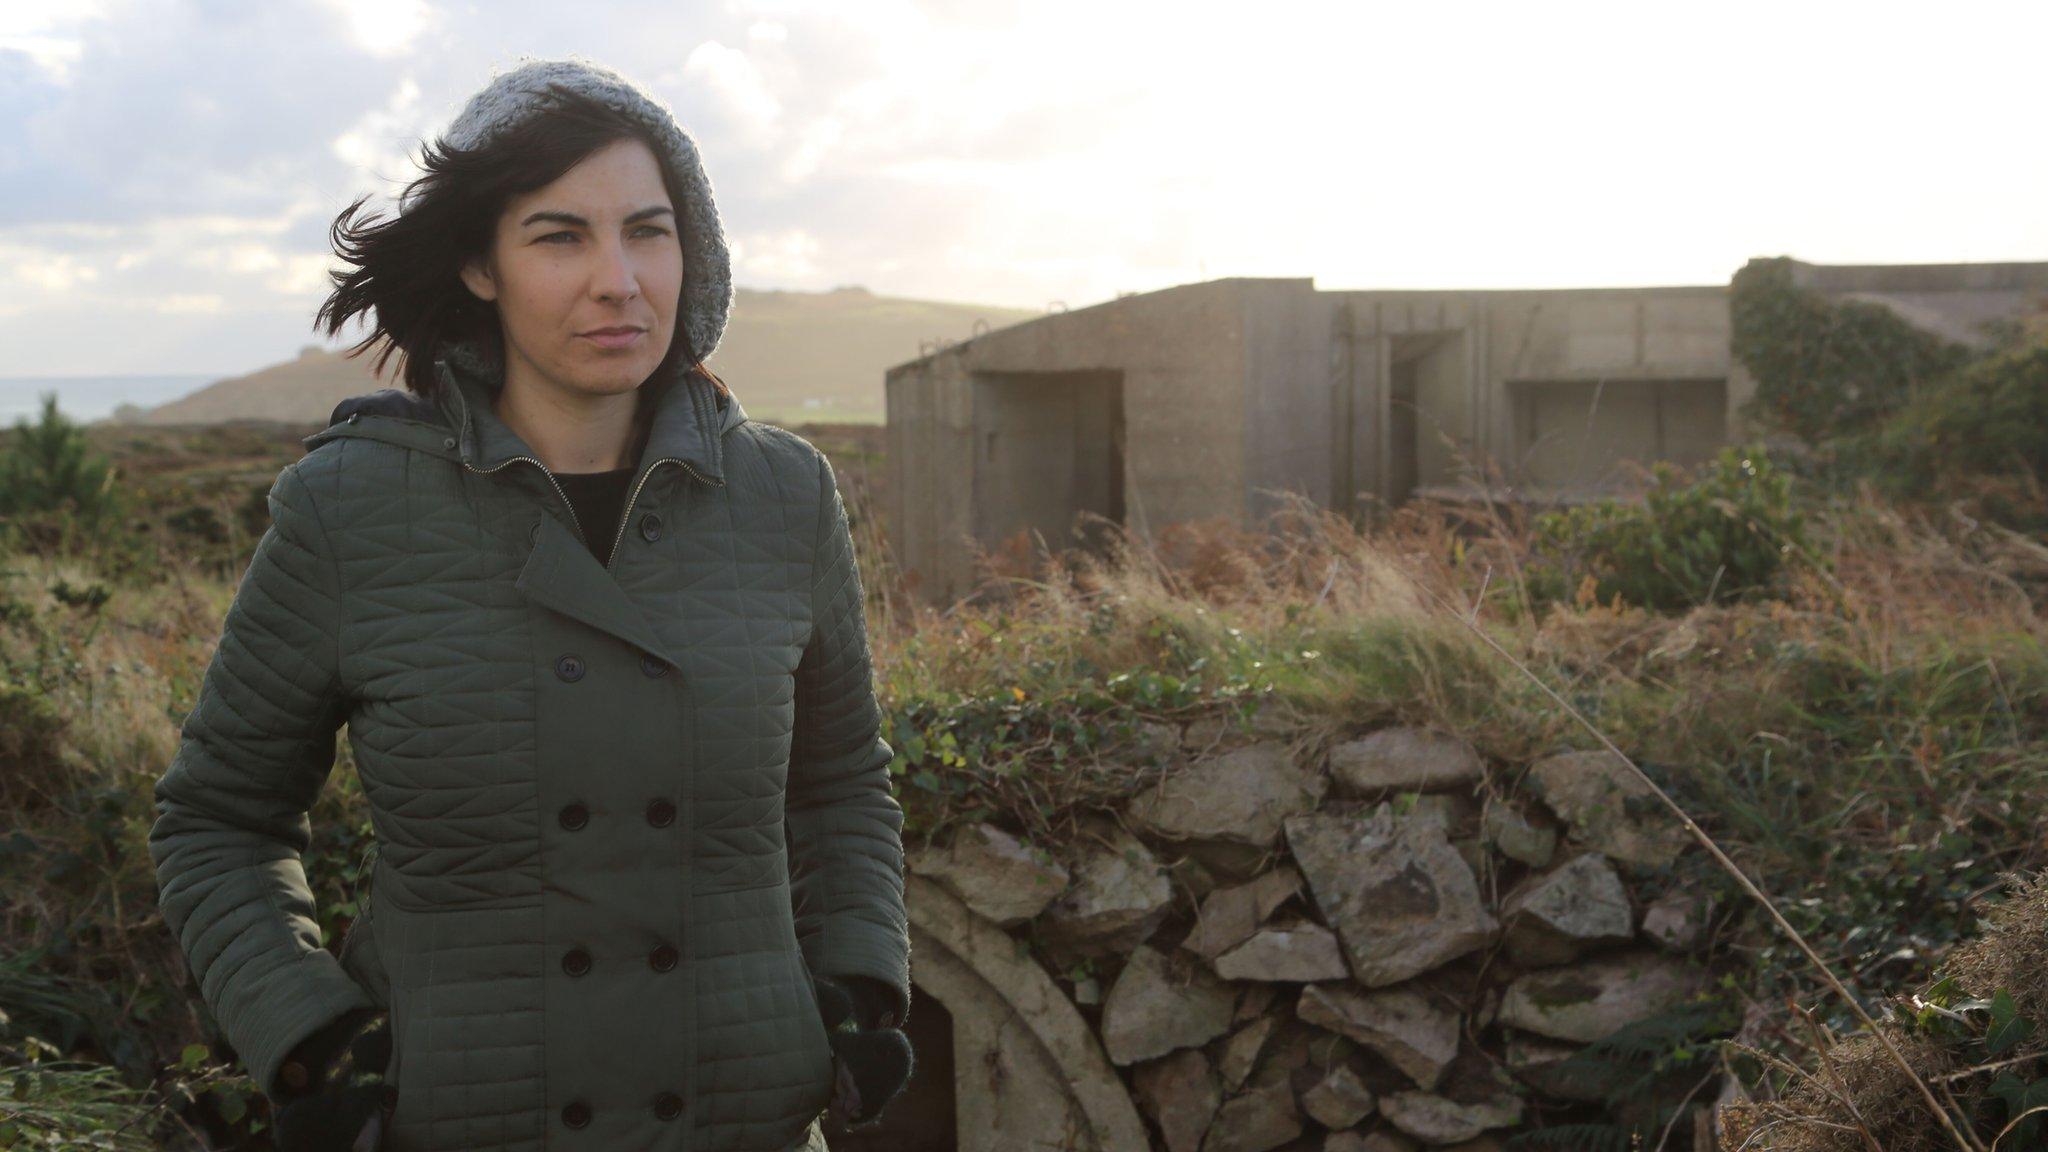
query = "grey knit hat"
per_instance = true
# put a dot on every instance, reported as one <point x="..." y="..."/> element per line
<point x="512" y="97"/>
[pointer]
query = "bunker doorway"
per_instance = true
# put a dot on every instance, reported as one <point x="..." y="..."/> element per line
<point x="1047" y="447"/>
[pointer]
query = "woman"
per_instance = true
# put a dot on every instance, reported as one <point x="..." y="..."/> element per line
<point x="599" y="642"/>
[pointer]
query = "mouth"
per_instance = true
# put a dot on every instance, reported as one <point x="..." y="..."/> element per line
<point x="624" y="336"/>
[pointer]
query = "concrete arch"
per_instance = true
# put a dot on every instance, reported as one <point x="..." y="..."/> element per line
<point x="1029" y="1072"/>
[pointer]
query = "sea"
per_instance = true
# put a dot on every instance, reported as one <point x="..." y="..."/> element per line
<point x="86" y="399"/>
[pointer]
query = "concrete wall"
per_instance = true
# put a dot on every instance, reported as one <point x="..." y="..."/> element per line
<point x="1288" y="397"/>
<point x="1180" y="356"/>
<point x="1233" y="390"/>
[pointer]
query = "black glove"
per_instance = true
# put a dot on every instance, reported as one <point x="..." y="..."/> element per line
<point x="332" y="1086"/>
<point x="873" y="1059"/>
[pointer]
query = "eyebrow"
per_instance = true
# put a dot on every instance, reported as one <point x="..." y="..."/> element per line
<point x="570" y="218"/>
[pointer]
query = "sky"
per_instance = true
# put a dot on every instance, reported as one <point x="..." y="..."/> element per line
<point x="169" y="171"/>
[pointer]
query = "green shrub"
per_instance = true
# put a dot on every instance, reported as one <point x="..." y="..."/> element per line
<point x="1824" y="367"/>
<point x="1990" y="418"/>
<point x="48" y="467"/>
<point x="1720" y="537"/>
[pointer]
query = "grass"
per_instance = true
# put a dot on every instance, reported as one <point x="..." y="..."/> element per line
<point x="1869" y="739"/>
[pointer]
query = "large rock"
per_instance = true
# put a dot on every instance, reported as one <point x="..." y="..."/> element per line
<point x="1263" y="1117"/>
<point x="998" y="876"/>
<point x="1339" y="1100"/>
<point x="1405" y="760"/>
<point x="1541" y="1063"/>
<point x="1400" y="897"/>
<point x="1241" y="1052"/>
<point x="1435" y="1119"/>
<point x="1609" y="808"/>
<point x="1153" y="1009"/>
<point x="1376" y="1142"/>
<point x="1299" y="953"/>
<point x="1229" y="916"/>
<point x="1180" y="1094"/>
<point x="1511" y="833"/>
<point x="1240" y="796"/>
<point x="1118" y="897"/>
<point x="1403" y="1025"/>
<point x="1677" y="921"/>
<point x="1594" y="997"/>
<point x="1553" y="917"/>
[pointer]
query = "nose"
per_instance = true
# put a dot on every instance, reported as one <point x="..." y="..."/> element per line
<point x="614" y="278"/>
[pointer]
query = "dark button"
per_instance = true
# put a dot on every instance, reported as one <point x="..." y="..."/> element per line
<point x="668" y="1106"/>
<point x="574" y="816"/>
<point x="650" y="527"/>
<point x="575" y="1113"/>
<point x="569" y="667"/>
<point x="663" y="958"/>
<point x="652" y="665"/>
<point x="448" y="442"/>
<point x="661" y="812"/>
<point x="576" y="962"/>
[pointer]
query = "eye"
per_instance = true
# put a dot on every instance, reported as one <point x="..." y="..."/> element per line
<point x="551" y="236"/>
<point x="653" y="229"/>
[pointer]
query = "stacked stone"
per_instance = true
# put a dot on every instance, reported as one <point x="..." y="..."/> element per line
<point x="1358" y="948"/>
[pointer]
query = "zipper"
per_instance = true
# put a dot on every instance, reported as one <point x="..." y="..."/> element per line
<point x="551" y="480"/>
<point x="627" y="516"/>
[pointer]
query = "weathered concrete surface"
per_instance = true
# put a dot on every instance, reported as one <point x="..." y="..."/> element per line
<point x="1009" y="1016"/>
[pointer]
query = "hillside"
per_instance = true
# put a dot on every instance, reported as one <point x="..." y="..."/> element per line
<point x="789" y="355"/>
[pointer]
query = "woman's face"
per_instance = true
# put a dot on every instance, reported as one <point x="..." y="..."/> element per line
<point x="586" y="273"/>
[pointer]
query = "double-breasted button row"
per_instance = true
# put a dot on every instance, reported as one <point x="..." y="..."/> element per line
<point x="575" y="815"/>
<point x="577" y="962"/>
<point x="577" y="1113"/>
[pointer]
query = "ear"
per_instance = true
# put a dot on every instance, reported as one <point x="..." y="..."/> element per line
<point x="476" y="273"/>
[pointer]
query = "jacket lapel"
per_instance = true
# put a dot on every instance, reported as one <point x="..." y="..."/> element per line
<point x="562" y="575"/>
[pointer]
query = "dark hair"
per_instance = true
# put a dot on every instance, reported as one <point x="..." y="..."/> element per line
<point x="407" y="269"/>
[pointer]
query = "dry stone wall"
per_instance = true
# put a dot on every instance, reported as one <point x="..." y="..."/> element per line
<point x="1378" y="944"/>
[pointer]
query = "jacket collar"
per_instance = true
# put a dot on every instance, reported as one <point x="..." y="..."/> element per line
<point x="688" y="423"/>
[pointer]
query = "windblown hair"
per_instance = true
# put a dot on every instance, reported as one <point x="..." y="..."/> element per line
<point x="405" y="270"/>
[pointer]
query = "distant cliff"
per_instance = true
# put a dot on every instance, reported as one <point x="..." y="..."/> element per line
<point x="787" y="355"/>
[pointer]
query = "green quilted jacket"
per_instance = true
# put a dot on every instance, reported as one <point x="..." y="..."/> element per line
<point x="623" y="814"/>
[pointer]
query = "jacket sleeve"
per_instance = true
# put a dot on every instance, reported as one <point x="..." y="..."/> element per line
<point x="232" y="824"/>
<point x="845" y="829"/>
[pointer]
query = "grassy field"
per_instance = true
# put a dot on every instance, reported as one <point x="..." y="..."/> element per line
<point x="1861" y="722"/>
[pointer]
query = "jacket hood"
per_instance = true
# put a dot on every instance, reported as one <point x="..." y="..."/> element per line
<point x="689" y="422"/>
<point x="514" y="97"/>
